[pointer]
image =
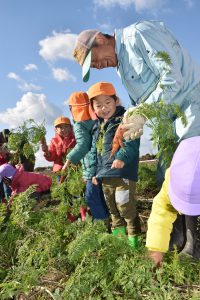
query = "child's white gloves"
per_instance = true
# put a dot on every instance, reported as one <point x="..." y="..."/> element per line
<point x="133" y="124"/>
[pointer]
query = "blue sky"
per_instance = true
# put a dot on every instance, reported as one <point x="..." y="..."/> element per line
<point x="37" y="71"/>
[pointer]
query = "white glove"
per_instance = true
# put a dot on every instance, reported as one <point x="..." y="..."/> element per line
<point x="133" y="124"/>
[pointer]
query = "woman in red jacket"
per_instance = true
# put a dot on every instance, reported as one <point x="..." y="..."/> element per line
<point x="60" y="144"/>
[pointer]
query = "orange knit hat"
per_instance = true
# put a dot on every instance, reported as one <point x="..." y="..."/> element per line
<point x="62" y="120"/>
<point x="79" y="105"/>
<point x="101" y="88"/>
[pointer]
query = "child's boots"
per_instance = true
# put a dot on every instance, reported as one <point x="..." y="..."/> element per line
<point x="119" y="231"/>
<point x="133" y="241"/>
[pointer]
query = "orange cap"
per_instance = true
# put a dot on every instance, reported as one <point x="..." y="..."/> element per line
<point x="78" y="98"/>
<point x="80" y="113"/>
<point x="79" y="105"/>
<point x="62" y="120"/>
<point x="101" y="88"/>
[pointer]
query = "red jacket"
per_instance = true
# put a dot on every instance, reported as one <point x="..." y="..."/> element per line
<point x="58" y="149"/>
<point x="22" y="180"/>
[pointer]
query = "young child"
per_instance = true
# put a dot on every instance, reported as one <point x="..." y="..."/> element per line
<point x="180" y="193"/>
<point x="81" y="113"/>
<point x="60" y="144"/>
<point x="118" y="173"/>
<point x="20" y="180"/>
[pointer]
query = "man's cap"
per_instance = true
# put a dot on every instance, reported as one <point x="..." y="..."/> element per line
<point x="101" y="88"/>
<point x="184" y="184"/>
<point x="62" y="120"/>
<point x="82" y="51"/>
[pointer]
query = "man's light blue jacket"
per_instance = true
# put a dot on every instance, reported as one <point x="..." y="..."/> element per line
<point x="144" y="75"/>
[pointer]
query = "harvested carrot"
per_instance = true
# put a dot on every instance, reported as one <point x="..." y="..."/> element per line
<point x="62" y="179"/>
<point x="118" y="140"/>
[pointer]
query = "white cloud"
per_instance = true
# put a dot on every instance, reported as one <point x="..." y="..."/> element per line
<point x="30" y="67"/>
<point x="106" y="27"/>
<point x="57" y="46"/>
<point x="23" y="85"/>
<point x="140" y="5"/>
<point x="111" y="3"/>
<point x="40" y="160"/>
<point x="63" y="75"/>
<point x="31" y="106"/>
<point x="146" y="145"/>
<point x="27" y="87"/>
<point x="190" y="3"/>
<point x="14" y="76"/>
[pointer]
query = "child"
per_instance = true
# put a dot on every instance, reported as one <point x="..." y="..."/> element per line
<point x="20" y="180"/>
<point x="180" y="193"/>
<point x="80" y="110"/>
<point x="60" y="144"/>
<point x="118" y="173"/>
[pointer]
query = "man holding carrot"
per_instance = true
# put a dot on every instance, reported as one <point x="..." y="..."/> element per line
<point x="133" y="51"/>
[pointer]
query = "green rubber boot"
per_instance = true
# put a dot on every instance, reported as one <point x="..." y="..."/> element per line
<point x="119" y="231"/>
<point x="133" y="242"/>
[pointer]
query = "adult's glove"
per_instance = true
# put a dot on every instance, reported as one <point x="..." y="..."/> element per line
<point x="133" y="124"/>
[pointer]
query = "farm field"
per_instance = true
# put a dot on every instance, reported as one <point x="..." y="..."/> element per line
<point x="45" y="256"/>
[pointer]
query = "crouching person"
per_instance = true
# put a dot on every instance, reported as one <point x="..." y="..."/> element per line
<point x="20" y="180"/>
<point x="180" y="194"/>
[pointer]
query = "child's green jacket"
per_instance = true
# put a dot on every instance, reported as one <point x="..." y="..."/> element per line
<point x="82" y="131"/>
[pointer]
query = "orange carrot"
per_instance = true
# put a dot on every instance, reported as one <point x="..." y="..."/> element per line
<point x="62" y="179"/>
<point x="117" y="141"/>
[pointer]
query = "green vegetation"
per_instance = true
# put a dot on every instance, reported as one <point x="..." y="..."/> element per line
<point x="101" y="140"/>
<point x="25" y="139"/>
<point x="44" y="256"/>
<point x="160" y="117"/>
<point x="147" y="185"/>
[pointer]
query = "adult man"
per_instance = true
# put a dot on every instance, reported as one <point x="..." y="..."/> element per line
<point x="133" y="51"/>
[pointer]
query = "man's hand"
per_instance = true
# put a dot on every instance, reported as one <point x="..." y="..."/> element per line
<point x="157" y="257"/>
<point x="117" y="164"/>
<point x="133" y="124"/>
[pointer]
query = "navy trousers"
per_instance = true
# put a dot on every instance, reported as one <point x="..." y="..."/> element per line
<point x="96" y="201"/>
